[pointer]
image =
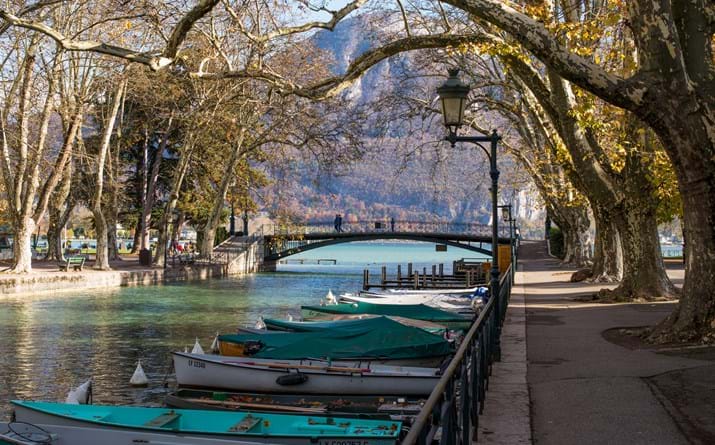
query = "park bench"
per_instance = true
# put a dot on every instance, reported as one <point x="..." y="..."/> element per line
<point x="186" y="259"/>
<point x="76" y="262"/>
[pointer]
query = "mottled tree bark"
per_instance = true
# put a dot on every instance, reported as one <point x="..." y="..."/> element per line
<point x="59" y="208"/>
<point x="607" y="252"/>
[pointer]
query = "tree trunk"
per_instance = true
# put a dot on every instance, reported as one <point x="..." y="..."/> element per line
<point x="59" y="211"/>
<point x="150" y="183"/>
<point x="142" y="227"/>
<point x="209" y="230"/>
<point x="575" y="224"/>
<point x="644" y="275"/>
<point x="137" y="237"/>
<point x="607" y="252"/>
<point x="694" y="318"/>
<point x="22" y="246"/>
<point x="100" y="223"/>
<point x="179" y="176"/>
<point x="102" y="257"/>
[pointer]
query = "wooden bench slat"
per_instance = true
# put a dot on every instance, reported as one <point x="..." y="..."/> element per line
<point x="162" y="420"/>
<point x="246" y="424"/>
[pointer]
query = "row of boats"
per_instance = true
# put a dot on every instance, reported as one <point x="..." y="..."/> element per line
<point x="355" y="370"/>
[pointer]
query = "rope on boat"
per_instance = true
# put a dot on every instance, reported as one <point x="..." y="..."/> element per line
<point x="45" y="436"/>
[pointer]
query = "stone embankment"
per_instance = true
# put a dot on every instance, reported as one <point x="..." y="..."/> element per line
<point x="236" y="256"/>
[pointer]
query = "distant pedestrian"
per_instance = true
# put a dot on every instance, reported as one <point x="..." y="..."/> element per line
<point x="337" y="222"/>
<point x="340" y="222"/>
<point x="392" y="224"/>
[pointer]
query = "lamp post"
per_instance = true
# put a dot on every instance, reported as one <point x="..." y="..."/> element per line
<point x="507" y="218"/>
<point x="232" y="222"/>
<point x="453" y="95"/>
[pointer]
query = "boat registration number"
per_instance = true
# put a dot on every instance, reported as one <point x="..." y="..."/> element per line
<point x="344" y="442"/>
<point x="195" y="364"/>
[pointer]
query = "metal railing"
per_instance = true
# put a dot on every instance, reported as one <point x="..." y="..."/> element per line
<point x="451" y="413"/>
<point x="373" y="226"/>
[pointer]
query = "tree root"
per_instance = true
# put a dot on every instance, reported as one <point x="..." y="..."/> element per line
<point x="669" y="331"/>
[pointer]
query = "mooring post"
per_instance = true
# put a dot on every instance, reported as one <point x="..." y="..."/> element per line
<point x="468" y="278"/>
<point x="417" y="280"/>
<point x="409" y="269"/>
<point x="399" y="275"/>
<point x="365" y="279"/>
<point x="441" y="270"/>
<point x="434" y="274"/>
<point x="383" y="275"/>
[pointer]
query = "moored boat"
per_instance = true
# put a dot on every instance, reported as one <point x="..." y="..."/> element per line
<point x="301" y="376"/>
<point x="439" y="301"/>
<point x="380" y="340"/>
<point x="243" y="426"/>
<point x="368" y="407"/>
<point x="42" y="434"/>
<point x="415" y="311"/>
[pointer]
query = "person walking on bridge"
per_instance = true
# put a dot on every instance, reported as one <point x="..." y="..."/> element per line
<point x="336" y="222"/>
<point x="392" y="224"/>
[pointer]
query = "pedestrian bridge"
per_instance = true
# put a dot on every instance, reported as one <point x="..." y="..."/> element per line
<point x="281" y="241"/>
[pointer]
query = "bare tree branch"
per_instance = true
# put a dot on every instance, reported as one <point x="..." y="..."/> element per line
<point x="178" y="35"/>
<point x="28" y="9"/>
<point x="155" y="62"/>
<point x="337" y="16"/>
<point x="334" y="85"/>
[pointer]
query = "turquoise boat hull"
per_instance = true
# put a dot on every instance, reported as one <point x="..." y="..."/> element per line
<point x="243" y="426"/>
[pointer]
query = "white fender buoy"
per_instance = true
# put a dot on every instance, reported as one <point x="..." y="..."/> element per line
<point x="260" y="324"/>
<point x="289" y="318"/>
<point x="139" y="378"/>
<point x="330" y="298"/>
<point x="80" y="395"/>
<point x="197" y="349"/>
<point x="214" y="345"/>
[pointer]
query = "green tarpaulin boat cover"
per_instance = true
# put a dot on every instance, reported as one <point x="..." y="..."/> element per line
<point x="373" y="338"/>
<point x="313" y="326"/>
<point x="415" y="311"/>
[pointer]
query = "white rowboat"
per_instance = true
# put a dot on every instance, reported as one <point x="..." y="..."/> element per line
<point x="302" y="376"/>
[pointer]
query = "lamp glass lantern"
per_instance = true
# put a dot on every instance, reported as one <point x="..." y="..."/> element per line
<point x="505" y="214"/>
<point x="453" y="95"/>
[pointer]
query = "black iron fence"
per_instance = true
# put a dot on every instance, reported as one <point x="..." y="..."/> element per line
<point x="451" y="413"/>
<point x="372" y="226"/>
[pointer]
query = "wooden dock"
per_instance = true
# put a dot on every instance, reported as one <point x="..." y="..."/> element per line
<point x="465" y="274"/>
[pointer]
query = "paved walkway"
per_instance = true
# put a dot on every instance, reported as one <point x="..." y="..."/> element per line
<point x="587" y="390"/>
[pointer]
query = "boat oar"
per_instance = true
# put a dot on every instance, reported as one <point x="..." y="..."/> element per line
<point x="258" y="406"/>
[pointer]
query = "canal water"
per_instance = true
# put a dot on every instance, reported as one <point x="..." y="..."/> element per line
<point x="51" y="343"/>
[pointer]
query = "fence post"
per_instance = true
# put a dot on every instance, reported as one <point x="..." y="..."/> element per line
<point x="365" y="279"/>
<point x="417" y="280"/>
<point x="409" y="269"/>
<point x="399" y="275"/>
<point x="383" y="275"/>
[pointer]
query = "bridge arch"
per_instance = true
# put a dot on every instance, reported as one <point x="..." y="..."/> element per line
<point x="277" y="248"/>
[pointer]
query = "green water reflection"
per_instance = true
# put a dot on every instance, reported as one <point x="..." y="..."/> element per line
<point x="49" y="343"/>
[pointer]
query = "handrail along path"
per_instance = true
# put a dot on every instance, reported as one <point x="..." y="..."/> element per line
<point x="451" y="413"/>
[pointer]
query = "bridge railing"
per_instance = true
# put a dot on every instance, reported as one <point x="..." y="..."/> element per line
<point x="452" y="410"/>
<point x="386" y="226"/>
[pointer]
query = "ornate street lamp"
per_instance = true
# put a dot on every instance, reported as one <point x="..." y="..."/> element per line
<point x="454" y="97"/>
<point x="453" y="94"/>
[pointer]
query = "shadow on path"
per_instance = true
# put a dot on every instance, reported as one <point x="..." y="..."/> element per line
<point x="587" y="390"/>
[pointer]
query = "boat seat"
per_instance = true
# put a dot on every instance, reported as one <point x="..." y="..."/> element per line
<point x="246" y="424"/>
<point x="163" y="420"/>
